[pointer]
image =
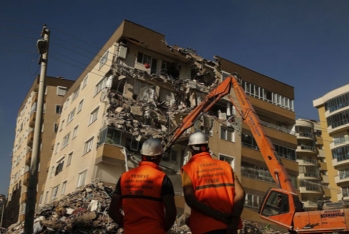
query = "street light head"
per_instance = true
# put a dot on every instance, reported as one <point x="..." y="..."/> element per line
<point x="42" y="46"/>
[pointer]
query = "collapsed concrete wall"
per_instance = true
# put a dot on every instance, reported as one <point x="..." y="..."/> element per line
<point x="152" y="105"/>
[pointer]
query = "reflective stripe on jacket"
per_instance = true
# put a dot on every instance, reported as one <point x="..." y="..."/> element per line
<point x="213" y="183"/>
<point x="141" y="199"/>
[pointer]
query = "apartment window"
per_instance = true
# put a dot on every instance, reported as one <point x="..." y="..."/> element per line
<point x="64" y="184"/>
<point x="58" y="109"/>
<point x="55" y="127"/>
<point x="65" y="140"/>
<point x="76" y="93"/>
<point x="143" y="58"/>
<point x="100" y="85"/>
<point x="93" y="115"/>
<point x="80" y="105"/>
<point x="103" y="59"/>
<point x="84" y="82"/>
<point x="252" y="201"/>
<point x="134" y="144"/>
<point x="66" y="104"/>
<point x="71" y="116"/>
<point x="227" y="159"/>
<point x="151" y="62"/>
<point x="57" y="146"/>
<point x="70" y="156"/>
<point x="59" y="167"/>
<point x="54" y="192"/>
<point x="249" y="142"/>
<point x="52" y="171"/>
<point x="61" y="91"/>
<point x="46" y="196"/>
<point x="62" y="123"/>
<point x="75" y="131"/>
<point x="40" y="200"/>
<point x="81" y="178"/>
<point x="88" y="146"/>
<point x="110" y="136"/>
<point x="227" y="134"/>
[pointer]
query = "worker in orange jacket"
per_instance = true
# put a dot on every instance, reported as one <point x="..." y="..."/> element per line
<point x="145" y="194"/>
<point x="211" y="190"/>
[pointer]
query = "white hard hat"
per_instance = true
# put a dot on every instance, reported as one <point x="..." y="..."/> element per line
<point x="198" y="138"/>
<point x="152" y="147"/>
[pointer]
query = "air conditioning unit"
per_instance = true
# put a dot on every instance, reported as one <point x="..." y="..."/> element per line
<point x="122" y="52"/>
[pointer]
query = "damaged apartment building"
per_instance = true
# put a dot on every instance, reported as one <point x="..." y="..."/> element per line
<point x="139" y="87"/>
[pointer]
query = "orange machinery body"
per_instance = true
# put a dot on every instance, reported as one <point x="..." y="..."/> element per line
<point x="324" y="220"/>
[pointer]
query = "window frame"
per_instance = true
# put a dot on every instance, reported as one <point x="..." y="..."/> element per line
<point x="60" y="109"/>
<point x="88" y="145"/>
<point x="54" y="194"/>
<point x="226" y="133"/>
<point x="64" y="185"/>
<point x="81" y="103"/>
<point x="84" y="173"/>
<point x="61" y="88"/>
<point x="103" y="60"/>
<point x="93" y="115"/>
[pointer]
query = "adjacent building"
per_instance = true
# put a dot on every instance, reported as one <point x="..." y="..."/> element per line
<point x="138" y="87"/>
<point x="313" y="179"/>
<point x="23" y="143"/>
<point x="333" y="109"/>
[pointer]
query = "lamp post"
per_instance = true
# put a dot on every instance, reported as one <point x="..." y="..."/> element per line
<point x="42" y="46"/>
<point x="2" y="203"/>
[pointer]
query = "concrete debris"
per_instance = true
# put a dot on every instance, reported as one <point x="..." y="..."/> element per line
<point x="86" y="211"/>
<point x="83" y="211"/>
<point x="155" y="100"/>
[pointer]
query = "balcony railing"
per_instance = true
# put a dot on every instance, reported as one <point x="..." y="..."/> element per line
<point x="311" y="174"/>
<point x="306" y="134"/>
<point x="258" y="177"/>
<point x="312" y="161"/>
<point x="338" y="141"/>
<point x="312" y="188"/>
<point x="307" y="147"/>
<point x="273" y="126"/>
<point x="343" y="175"/>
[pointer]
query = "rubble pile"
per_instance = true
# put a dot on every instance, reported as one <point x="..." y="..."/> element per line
<point x="86" y="211"/>
<point x="83" y="211"/>
<point x="254" y="228"/>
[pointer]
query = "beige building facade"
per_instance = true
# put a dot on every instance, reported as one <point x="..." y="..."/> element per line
<point x="139" y="87"/>
<point x="312" y="179"/>
<point x="333" y="109"/>
<point x="23" y="143"/>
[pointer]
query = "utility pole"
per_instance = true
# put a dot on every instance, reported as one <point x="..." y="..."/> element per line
<point x="2" y="202"/>
<point x="42" y="46"/>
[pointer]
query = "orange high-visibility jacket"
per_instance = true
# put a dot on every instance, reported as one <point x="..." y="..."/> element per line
<point x="141" y="199"/>
<point x="213" y="183"/>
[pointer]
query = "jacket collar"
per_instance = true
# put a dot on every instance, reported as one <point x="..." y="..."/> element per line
<point x="151" y="164"/>
<point x="200" y="156"/>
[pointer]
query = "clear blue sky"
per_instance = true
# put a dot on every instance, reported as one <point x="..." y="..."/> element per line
<point x="301" y="43"/>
